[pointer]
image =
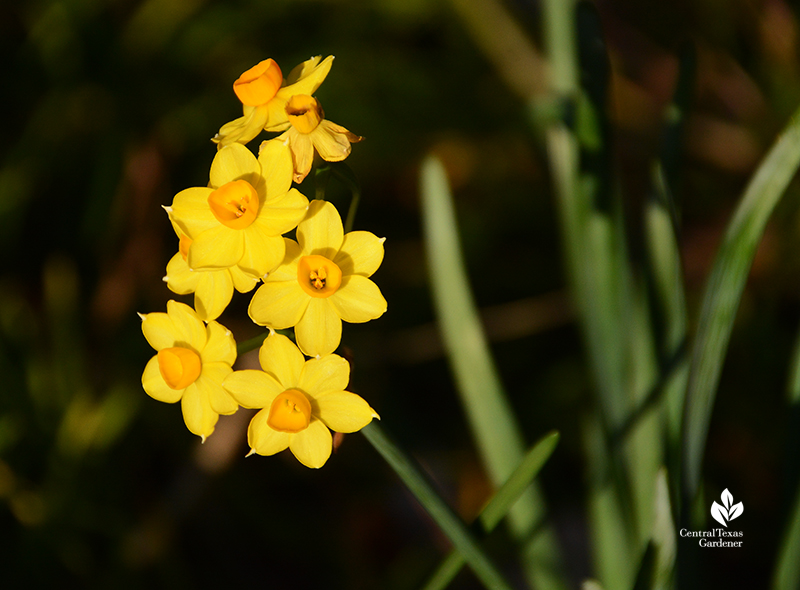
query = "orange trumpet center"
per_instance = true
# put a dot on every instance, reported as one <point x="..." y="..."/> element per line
<point x="290" y="412"/>
<point x="259" y="84"/>
<point x="234" y="204"/>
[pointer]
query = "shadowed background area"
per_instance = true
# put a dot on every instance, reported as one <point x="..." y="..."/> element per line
<point x="110" y="107"/>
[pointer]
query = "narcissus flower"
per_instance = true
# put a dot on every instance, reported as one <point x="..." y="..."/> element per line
<point x="300" y="401"/>
<point x="213" y="289"/>
<point x="192" y="361"/>
<point x="310" y="131"/>
<point x="264" y="94"/>
<point x="322" y="281"/>
<point x="239" y="219"/>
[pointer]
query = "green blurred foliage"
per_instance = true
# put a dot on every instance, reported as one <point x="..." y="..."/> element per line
<point x="110" y="107"/>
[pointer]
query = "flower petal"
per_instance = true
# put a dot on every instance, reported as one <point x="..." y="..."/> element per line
<point x="189" y="329"/>
<point x="243" y="281"/>
<point x="276" y="167"/>
<point x="287" y="271"/>
<point x="221" y="347"/>
<point x="358" y="300"/>
<point x="321" y="231"/>
<point x="216" y="248"/>
<point x="190" y="211"/>
<point x="263" y="439"/>
<point x="319" y="331"/>
<point x="252" y="389"/>
<point x="262" y="253"/>
<point x="324" y="375"/>
<point x="281" y="358"/>
<point x="343" y="411"/>
<point x="332" y="141"/>
<point x="180" y="278"/>
<point x="361" y="253"/>
<point x="312" y="446"/>
<point x="307" y="77"/>
<point x="200" y="419"/>
<point x="235" y="162"/>
<point x="213" y="292"/>
<point x="155" y="386"/>
<point x="278" y="304"/>
<point x="244" y="128"/>
<point x="159" y="330"/>
<point x="282" y="213"/>
<point x="276" y="119"/>
<point x="302" y="147"/>
<point x="210" y="385"/>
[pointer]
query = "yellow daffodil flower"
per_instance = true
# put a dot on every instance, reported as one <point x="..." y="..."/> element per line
<point x="310" y="131"/>
<point x="300" y="401"/>
<point x="213" y="289"/>
<point x="322" y="281"/>
<point x="264" y="94"/>
<point x="192" y="361"/>
<point x="239" y="219"/>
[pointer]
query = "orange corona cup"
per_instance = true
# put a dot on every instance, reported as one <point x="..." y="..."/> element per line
<point x="259" y="84"/>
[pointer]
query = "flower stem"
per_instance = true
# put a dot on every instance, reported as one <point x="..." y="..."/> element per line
<point x="433" y="503"/>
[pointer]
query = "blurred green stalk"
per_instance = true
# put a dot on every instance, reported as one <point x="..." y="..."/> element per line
<point x="448" y="522"/>
<point x="497" y="508"/>
<point x="494" y="427"/>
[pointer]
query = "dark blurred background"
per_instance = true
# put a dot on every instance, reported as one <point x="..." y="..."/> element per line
<point x="109" y="107"/>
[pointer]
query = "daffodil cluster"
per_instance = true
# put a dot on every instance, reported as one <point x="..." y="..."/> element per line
<point x="235" y="234"/>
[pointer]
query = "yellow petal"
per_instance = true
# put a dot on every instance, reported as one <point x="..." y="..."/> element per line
<point x="210" y="385"/>
<point x="282" y="213"/>
<point x="216" y="248"/>
<point x="324" y="375"/>
<point x="243" y="281"/>
<point x="276" y="167"/>
<point x="155" y="386"/>
<point x="331" y="141"/>
<point x="319" y="331"/>
<point x="312" y="446"/>
<point x="343" y="411"/>
<point x="236" y="162"/>
<point x="189" y="329"/>
<point x="262" y="439"/>
<point x="190" y="211"/>
<point x="262" y="252"/>
<point x="287" y="271"/>
<point x="281" y="358"/>
<point x="307" y="77"/>
<point x="159" y="330"/>
<point x="361" y="253"/>
<point x="321" y="231"/>
<point x="213" y="292"/>
<point x="200" y="419"/>
<point x="276" y="119"/>
<point x="244" y="128"/>
<point x="252" y="389"/>
<point x="302" y="148"/>
<point x="180" y="278"/>
<point x="278" y="304"/>
<point x="358" y="300"/>
<point x="220" y="347"/>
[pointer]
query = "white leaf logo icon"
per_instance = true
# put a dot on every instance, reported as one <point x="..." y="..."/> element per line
<point x="726" y="513"/>
<point x="719" y="514"/>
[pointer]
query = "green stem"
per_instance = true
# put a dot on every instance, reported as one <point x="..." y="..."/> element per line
<point x="448" y="522"/>
<point x="496" y="509"/>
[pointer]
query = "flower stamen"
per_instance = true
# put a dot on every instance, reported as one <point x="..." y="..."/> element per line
<point x="318" y="276"/>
